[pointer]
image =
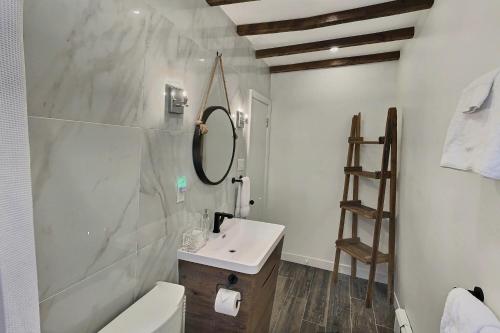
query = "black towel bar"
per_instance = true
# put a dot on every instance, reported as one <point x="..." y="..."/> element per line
<point x="234" y="180"/>
<point x="478" y="293"/>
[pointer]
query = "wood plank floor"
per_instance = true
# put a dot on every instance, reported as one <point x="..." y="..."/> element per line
<point x="307" y="302"/>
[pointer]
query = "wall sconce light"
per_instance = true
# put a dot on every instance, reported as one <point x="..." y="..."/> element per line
<point x="241" y="119"/>
<point x="175" y="99"/>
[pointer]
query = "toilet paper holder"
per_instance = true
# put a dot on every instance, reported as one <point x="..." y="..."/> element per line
<point x="231" y="281"/>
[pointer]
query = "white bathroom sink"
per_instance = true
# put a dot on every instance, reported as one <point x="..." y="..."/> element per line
<point x="241" y="246"/>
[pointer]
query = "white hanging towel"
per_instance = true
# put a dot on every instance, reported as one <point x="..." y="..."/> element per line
<point x="476" y="93"/>
<point x="464" y="313"/>
<point x="473" y="138"/>
<point x="243" y="198"/>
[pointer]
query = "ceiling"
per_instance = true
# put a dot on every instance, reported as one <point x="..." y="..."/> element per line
<point x="276" y="10"/>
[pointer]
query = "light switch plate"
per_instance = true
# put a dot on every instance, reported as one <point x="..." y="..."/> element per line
<point x="240" y="119"/>
<point x="181" y="196"/>
<point x="241" y="164"/>
<point x="181" y="188"/>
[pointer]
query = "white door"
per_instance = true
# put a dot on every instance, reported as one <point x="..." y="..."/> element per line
<point x="258" y="153"/>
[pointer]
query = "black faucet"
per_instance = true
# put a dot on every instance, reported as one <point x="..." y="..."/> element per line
<point x="218" y="219"/>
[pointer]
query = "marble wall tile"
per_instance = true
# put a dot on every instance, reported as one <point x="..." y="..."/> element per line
<point x="153" y="265"/>
<point x="85" y="197"/>
<point x="182" y="13"/>
<point x="103" y="63"/>
<point x="171" y="58"/>
<point x="166" y="156"/>
<point x="184" y="58"/>
<point x="84" y="59"/>
<point x="207" y="25"/>
<point x="91" y="304"/>
<point x="157" y="261"/>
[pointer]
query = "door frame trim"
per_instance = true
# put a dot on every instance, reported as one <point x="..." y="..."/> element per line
<point x="253" y="94"/>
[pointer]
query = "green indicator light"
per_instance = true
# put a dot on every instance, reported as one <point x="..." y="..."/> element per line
<point x="181" y="183"/>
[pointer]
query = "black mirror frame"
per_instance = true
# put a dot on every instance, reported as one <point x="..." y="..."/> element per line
<point x="198" y="146"/>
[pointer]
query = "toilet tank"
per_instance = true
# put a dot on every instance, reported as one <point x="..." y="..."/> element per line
<point x="159" y="311"/>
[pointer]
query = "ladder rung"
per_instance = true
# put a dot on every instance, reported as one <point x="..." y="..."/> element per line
<point x="356" y="207"/>
<point x="355" y="248"/>
<point x="358" y="171"/>
<point x="361" y="141"/>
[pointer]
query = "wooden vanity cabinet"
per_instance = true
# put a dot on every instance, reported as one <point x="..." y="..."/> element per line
<point x="257" y="293"/>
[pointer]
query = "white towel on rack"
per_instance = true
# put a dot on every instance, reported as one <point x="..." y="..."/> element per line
<point x="473" y="138"/>
<point x="463" y="313"/>
<point x="243" y="198"/>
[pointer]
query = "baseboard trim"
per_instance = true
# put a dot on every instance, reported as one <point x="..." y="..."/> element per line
<point x="363" y="272"/>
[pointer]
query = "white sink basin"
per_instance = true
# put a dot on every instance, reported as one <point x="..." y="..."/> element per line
<point x="242" y="246"/>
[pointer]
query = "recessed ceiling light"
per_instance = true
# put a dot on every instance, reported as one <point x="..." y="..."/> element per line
<point x="136" y="11"/>
<point x="334" y="49"/>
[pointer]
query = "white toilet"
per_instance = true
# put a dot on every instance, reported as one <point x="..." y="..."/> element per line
<point x="159" y="311"/>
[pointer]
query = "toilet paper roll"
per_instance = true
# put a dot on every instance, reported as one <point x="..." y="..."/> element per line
<point x="227" y="302"/>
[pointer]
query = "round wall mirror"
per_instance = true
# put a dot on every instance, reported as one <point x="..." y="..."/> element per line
<point x="213" y="152"/>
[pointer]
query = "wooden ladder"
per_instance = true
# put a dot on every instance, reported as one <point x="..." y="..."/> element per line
<point x="353" y="246"/>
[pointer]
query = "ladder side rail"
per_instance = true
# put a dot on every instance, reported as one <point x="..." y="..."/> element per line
<point x="380" y="207"/>
<point x="392" y="208"/>
<point x="355" y="195"/>
<point x="350" y="153"/>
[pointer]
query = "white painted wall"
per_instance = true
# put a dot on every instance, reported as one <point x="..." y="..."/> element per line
<point x="310" y="124"/>
<point x="449" y="230"/>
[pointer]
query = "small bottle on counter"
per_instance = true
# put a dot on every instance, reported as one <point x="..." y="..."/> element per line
<point x="205" y="224"/>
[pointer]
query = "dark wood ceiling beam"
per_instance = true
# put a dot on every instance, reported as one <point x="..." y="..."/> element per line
<point x="379" y="37"/>
<point x="339" y="62"/>
<point x="226" y="2"/>
<point x="346" y="16"/>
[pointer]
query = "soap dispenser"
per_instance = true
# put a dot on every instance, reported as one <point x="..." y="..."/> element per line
<point x="205" y="224"/>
